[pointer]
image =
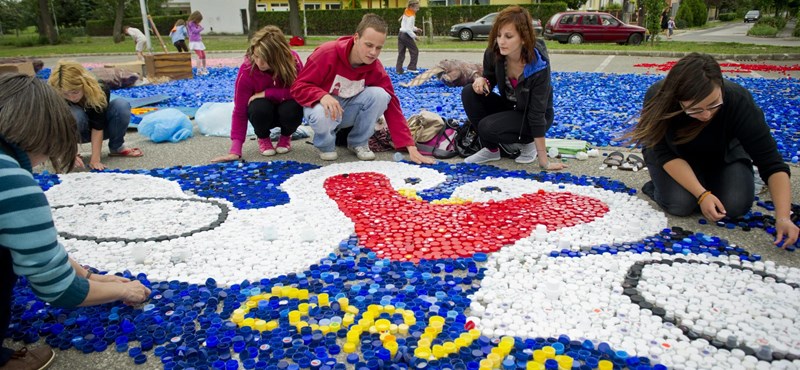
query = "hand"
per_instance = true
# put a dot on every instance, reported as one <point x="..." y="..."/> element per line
<point x="712" y="208"/>
<point x="132" y="293"/>
<point x="553" y="166"/>
<point x="255" y="96"/>
<point x="481" y="86"/>
<point x="415" y="156"/>
<point x="79" y="162"/>
<point x="786" y="231"/>
<point x="333" y="109"/>
<point x="226" y="158"/>
<point x="95" y="164"/>
<point x="109" y="278"/>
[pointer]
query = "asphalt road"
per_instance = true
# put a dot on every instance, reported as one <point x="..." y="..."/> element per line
<point x="734" y="32"/>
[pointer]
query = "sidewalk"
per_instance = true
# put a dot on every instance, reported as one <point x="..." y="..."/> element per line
<point x="787" y="31"/>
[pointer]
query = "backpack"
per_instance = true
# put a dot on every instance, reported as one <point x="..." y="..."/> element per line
<point x="467" y="142"/>
<point x="442" y="145"/>
<point x="432" y="135"/>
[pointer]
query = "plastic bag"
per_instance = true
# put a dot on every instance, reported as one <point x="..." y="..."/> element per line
<point x="214" y="119"/>
<point x="166" y="125"/>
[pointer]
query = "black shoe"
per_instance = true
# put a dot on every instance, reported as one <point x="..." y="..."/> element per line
<point x="649" y="189"/>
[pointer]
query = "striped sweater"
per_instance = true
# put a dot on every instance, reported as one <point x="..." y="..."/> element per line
<point x="28" y="232"/>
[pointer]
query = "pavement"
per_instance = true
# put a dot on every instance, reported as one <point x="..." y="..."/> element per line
<point x="200" y="149"/>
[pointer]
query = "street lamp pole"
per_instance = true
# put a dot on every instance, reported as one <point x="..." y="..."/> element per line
<point x="143" y="8"/>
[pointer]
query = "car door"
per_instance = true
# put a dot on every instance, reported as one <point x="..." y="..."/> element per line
<point x="611" y="29"/>
<point x="590" y="26"/>
<point x="485" y="25"/>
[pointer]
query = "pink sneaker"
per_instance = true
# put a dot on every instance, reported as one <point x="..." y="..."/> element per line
<point x="266" y="148"/>
<point x="284" y="144"/>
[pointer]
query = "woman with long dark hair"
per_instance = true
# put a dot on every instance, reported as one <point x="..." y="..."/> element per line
<point x="701" y="135"/>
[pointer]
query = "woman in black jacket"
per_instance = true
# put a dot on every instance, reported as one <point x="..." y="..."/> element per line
<point x="518" y="64"/>
<point x="701" y="136"/>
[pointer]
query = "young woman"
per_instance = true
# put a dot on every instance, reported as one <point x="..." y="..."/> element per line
<point x="518" y="64"/>
<point x="701" y="136"/>
<point x="262" y="96"/>
<point x="35" y="124"/>
<point x="98" y="118"/>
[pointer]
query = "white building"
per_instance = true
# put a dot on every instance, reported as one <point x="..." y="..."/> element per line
<point x="223" y="16"/>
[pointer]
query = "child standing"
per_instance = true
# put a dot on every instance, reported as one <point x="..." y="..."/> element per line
<point x="407" y="38"/>
<point x="178" y="35"/>
<point x="196" y="41"/>
<point x="670" y="27"/>
<point x="138" y="38"/>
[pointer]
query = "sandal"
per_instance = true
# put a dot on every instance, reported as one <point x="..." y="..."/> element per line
<point x="614" y="159"/>
<point x="127" y="152"/>
<point x="633" y="163"/>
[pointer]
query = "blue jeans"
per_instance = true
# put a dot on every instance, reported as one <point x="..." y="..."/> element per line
<point x="118" y="117"/>
<point x="360" y="112"/>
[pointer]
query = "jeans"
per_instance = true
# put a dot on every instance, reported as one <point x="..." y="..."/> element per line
<point x="118" y="117"/>
<point x="731" y="183"/>
<point x="265" y="115"/>
<point x="360" y="112"/>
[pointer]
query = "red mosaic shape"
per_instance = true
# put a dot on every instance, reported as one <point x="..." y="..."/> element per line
<point x="404" y="229"/>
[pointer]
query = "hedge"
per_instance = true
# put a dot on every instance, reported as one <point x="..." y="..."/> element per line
<point x="777" y="22"/>
<point x="727" y="17"/>
<point x="106" y="27"/>
<point x="344" y="22"/>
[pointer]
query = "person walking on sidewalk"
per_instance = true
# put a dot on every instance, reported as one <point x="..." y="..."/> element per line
<point x="407" y="38"/>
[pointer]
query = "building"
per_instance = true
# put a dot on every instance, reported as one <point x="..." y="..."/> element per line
<point x="229" y="16"/>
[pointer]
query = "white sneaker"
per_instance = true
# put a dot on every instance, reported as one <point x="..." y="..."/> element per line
<point x="482" y="156"/>
<point x="412" y="71"/>
<point x="328" y="156"/>
<point x="268" y="152"/>
<point x="527" y="154"/>
<point x="362" y="152"/>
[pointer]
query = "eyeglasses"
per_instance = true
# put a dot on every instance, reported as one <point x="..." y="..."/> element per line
<point x="696" y="111"/>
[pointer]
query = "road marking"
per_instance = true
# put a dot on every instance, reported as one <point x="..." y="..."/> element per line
<point x="603" y="65"/>
<point x="752" y="73"/>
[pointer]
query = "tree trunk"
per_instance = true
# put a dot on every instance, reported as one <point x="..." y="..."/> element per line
<point x="294" y="18"/>
<point x="118" y="17"/>
<point x="253" y="27"/>
<point x="46" y="28"/>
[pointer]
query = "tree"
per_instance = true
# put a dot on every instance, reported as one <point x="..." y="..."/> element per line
<point x="294" y="18"/>
<point x="253" y="26"/>
<point x="14" y="16"/>
<point x="46" y="29"/>
<point x="652" y="20"/>
<point x="575" y="4"/>
<point x="119" y="15"/>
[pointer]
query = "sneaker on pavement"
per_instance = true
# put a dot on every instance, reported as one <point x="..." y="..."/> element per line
<point x="38" y="358"/>
<point x="482" y="156"/>
<point x="527" y="154"/>
<point x="412" y="70"/>
<point x="362" y="152"/>
<point x="284" y="144"/>
<point x="328" y="156"/>
<point x="265" y="147"/>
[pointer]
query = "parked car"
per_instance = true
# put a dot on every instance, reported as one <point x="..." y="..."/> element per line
<point x="579" y="27"/>
<point x="752" y="16"/>
<point x="482" y="27"/>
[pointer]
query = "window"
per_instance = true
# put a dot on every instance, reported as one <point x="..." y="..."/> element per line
<point x="312" y="6"/>
<point x="608" y="21"/>
<point x="280" y="7"/>
<point x="569" y="19"/>
<point x="261" y="7"/>
<point x="590" y="19"/>
<point x="333" y="6"/>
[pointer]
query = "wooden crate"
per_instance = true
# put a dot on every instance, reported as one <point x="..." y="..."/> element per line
<point x="25" y="68"/>
<point x="173" y="65"/>
<point x="135" y="67"/>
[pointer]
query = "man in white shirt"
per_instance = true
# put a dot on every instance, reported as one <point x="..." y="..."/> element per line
<point x="139" y="38"/>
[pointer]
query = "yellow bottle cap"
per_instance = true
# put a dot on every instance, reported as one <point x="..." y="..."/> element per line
<point x="349" y="347"/>
<point x="549" y="352"/>
<point x="533" y="365"/>
<point x="605" y="365"/>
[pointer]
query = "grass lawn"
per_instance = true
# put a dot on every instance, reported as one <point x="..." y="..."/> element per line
<point x="12" y="46"/>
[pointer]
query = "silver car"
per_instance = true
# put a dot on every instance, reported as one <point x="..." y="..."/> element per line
<point x="482" y="27"/>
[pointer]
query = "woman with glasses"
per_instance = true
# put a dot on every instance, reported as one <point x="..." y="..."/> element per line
<point x="701" y="135"/>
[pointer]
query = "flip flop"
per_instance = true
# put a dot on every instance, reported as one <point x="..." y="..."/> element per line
<point x="633" y="163"/>
<point x="127" y="152"/>
<point x="614" y="159"/>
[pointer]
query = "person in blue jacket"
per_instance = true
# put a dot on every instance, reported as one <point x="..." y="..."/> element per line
<point x="36" y="124"/>
<point x="519" y="66"/>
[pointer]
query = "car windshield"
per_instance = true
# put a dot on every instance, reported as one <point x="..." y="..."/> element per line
<point x="488" y="19"/>
<point x="752" y="12"/>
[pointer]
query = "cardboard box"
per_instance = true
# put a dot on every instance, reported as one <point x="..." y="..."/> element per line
<point x="25" y="68"/>
<point x="173" y="65"/>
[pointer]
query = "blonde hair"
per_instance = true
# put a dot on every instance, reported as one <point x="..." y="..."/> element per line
<point x="195" y="17"/>
<point x="37" y="119"/>
<point x="412" y="3"/>
<point x="179" y="22"/>
<point x="269" y="44"/>
<point x="70" y="75"/>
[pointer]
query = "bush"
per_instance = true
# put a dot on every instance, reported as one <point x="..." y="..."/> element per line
<point x="681" y="24"/>
<point x="762" y="30"/>
<point x="727" y="17"/>
<point x="611" y="7"/>
<point x="343" y="22"/>
<point x="777" y="22"/>
<point x="20" y="42"/>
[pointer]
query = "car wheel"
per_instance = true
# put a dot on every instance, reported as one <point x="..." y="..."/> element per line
<point x="635" y="39"/>
<point x="575" y="38"/>
<point x="465" y="34"/>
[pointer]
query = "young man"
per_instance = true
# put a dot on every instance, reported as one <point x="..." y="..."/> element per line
<point x="345" y="85"/>
<point x="139" y="38"/>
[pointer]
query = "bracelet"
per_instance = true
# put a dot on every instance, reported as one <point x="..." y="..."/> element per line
<point x="88" y="274"/>
<point x="703" y="196"/>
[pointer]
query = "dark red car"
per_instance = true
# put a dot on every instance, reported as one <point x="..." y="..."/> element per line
<point x="579" y="27"/>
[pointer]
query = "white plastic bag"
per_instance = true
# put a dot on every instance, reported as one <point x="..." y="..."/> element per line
<point x="166" y="125"/>
<point x="214" y="119"/>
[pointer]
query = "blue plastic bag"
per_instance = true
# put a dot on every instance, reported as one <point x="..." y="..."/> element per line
<point x="166" y="125"/>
